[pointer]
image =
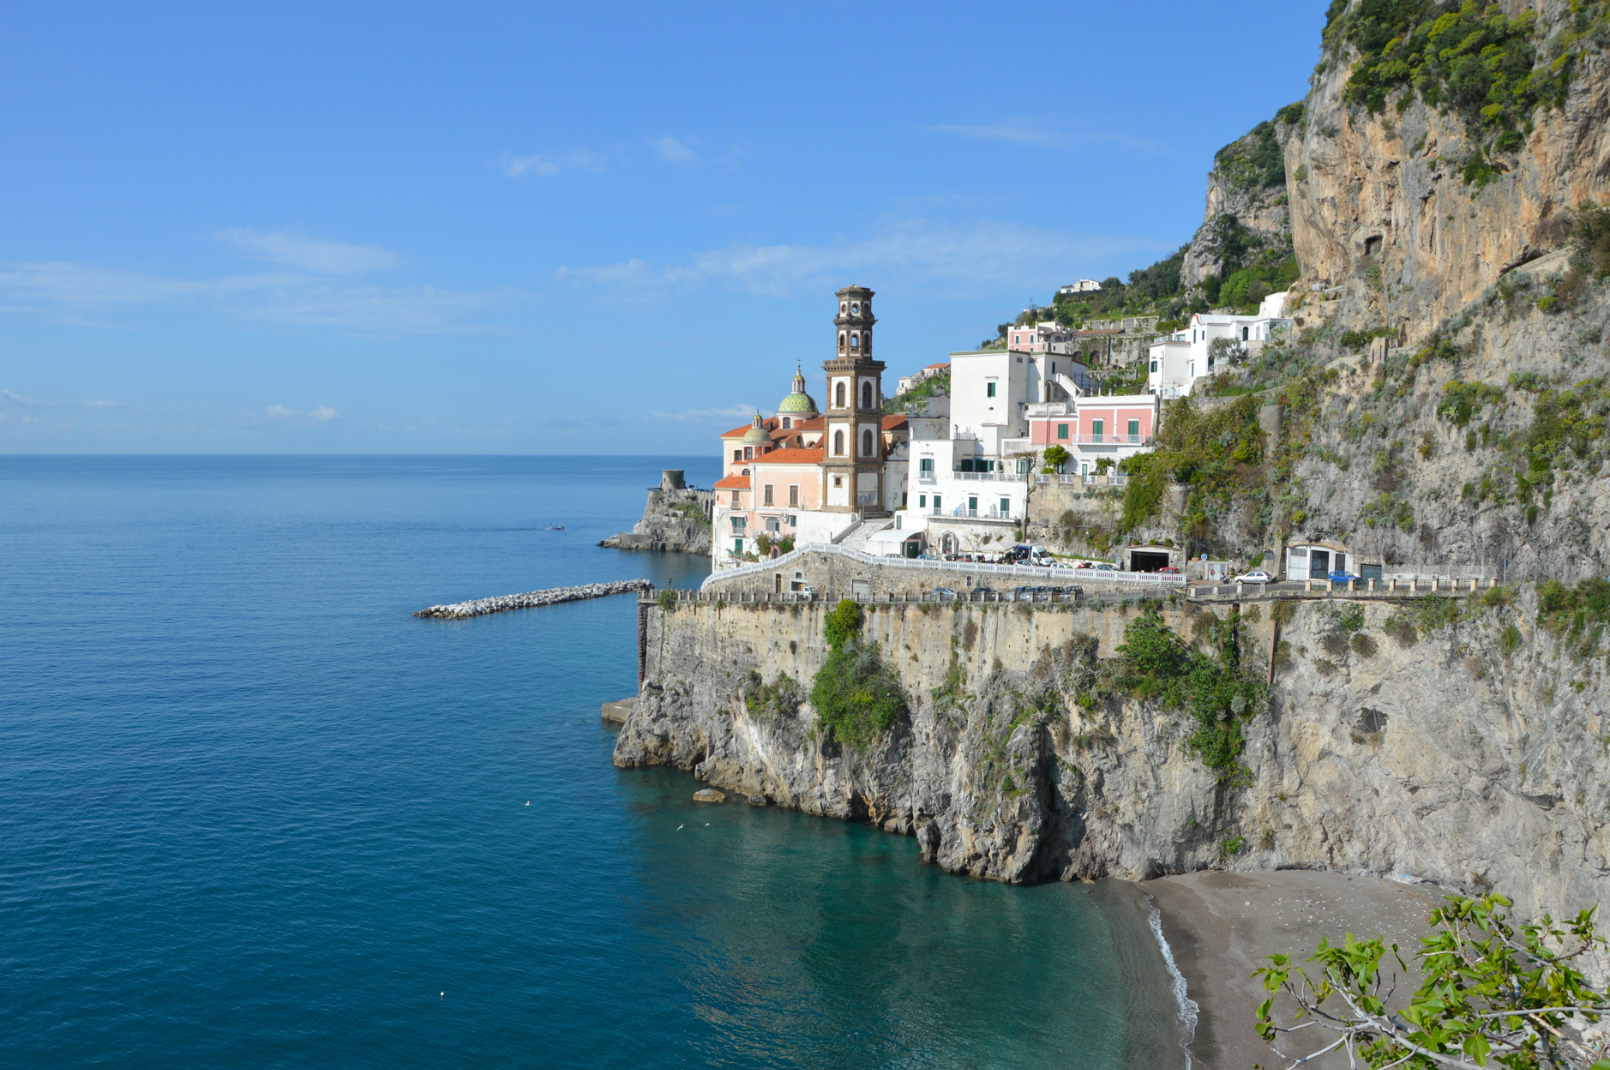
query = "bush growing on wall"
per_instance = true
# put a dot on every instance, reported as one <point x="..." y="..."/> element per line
<point x="857" y="697"/>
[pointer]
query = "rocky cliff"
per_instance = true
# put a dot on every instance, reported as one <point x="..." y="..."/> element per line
<point x="1415" y="202"/>
<point x="676" y="518"/>
<point x="1475" y="754"/>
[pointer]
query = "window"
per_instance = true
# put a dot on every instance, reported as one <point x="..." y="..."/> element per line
<point x="793" y="496"/>
<point x="768" y="494"/>
<point x="855" y="308"/>
<point x="936" y="503"/>
<point x="972" y="504"/>
<point x="855" y="339"/>
<point x="841" y="341"/>
<point x="1062" y="432"/>
<point x="737" y="455"/>
<point x="735" y="499"/>
<point x="838" y="445"/>
<point x="793" y="521"/>
<point x="838" y="481"/>
<point x="1154" y="365"/>
<point x="1006" y="507"/>
<point x="749" y="453"/>
<point x="737" y="523"/>
<point x="925" y="468"/>
<point x="1243" y="334"/>
<point x="1096" y="428"/>
<point x="774" y="524"/>
<point x="989" y="390"/>
<point x="1134" y="430"/>
<point x="842" y="308"/>
<point x="922" y="501"/>
<point x="787" y="423"/>
<point x="866" y="443"/>
<point x="866" y="395"/>
<point x="838" y="396"/>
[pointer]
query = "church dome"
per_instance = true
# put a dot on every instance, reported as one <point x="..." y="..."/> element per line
<point x="798" y="401"/>
<point x="757" y="432"/>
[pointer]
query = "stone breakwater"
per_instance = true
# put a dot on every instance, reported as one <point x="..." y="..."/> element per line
<point x="532" y="599"/>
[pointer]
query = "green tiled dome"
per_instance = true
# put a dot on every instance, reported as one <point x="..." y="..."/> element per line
<point x="798" y="401"/>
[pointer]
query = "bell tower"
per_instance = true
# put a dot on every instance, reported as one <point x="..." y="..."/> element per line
<point x="852" y="460"/>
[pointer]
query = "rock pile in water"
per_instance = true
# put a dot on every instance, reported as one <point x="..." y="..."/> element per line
<point x="531" y="599"/>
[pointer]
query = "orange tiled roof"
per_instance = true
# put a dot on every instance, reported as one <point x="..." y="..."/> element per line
<point x="894" y="423"/>
<point x="941" y="364"/>
<point x="789" y="456"/>
<point x="733" y="483"/>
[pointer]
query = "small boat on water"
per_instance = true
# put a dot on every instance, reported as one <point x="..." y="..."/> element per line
<point x="556" y="527"/>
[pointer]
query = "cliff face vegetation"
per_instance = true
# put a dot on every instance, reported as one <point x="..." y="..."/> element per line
<point x="1445" y="144"/>
<point x="1465" y="743"/>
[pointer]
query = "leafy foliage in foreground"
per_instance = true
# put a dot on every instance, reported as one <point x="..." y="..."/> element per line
<point x="1492" y="995"/>
<point x="1219" y="688"/>
<point x="857" y="697"/>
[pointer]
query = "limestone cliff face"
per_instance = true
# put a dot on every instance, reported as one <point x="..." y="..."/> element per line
<point x="1386" y="192"/>
<point x="1449" y="760"/>
<point x="1262" y="210"/>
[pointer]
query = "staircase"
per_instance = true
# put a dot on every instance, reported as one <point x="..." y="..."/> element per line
<point x="855" y="537"/>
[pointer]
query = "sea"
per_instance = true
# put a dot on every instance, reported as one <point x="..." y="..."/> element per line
<point x="253" y="813"/>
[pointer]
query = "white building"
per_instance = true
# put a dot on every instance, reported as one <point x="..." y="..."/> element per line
<point x="1185" y="356"/>
<point x="1083" y="286"/>
<point x="1047" y="336"/>
<point x="970" y="455"/>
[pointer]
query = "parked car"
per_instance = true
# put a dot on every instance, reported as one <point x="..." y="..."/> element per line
<point x="1103" y="566"/>
<point x="1257" y="575"/>
<point x="1338" y="576"/>
<point x="1169" y="570"/>
<point x="1061" y="564"/>
<point x="945" y="594"/>
<point x="806" y="591"/>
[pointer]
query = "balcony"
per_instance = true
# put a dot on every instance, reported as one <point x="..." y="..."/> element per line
<point x="995" y="476"/>
<point x="961" y="512"/>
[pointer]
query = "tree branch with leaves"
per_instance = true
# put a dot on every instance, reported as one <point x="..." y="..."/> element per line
<point x="1491" y="995"/>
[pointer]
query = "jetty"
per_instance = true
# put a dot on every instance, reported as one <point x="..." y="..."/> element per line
<point x="480" y="607"/>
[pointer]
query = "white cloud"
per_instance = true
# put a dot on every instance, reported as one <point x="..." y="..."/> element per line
<point x="708" y="415"/>
<point x="548" y="166"/>
<point x="1017" y="133"/>
<point x="914" y="251"/>
<point x="310" y="254"/>
<point x="285" y="297"/>
<point x="322" y="414"/>
<point x="102" y="404"/>
<point x="672" y="150"/>
<point x="1150" y="146"/>
<point x="9" y="400"/>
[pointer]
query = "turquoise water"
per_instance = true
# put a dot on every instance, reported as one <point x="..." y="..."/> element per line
<point x="254" y="814"/>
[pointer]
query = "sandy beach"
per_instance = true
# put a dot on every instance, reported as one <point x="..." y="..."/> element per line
<point x="1220" y="926"/>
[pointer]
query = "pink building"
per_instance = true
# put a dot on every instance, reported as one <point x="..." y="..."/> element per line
<point x="1046" y="337"/>
<point x="1091" y="428"/>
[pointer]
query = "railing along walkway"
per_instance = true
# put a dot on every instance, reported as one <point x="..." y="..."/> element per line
<point x="1035" y="572"/>
<point x="1355" y="589"/>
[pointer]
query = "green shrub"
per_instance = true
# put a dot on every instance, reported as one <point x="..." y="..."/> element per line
<point x="666" y="599"/>
<point x="856" y="696"/>
<point x="1509" y="639"/>
<point x="1574" y="611"/>
<point x="1219" y="690"/>
<point x="842" y="623"/>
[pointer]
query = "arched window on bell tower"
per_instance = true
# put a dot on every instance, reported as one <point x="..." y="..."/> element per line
<point x="866" y="395"/>
<point x="866" y="443"/>
<point x="838" y="396"/>
<point x="855" y="340"/>
<point x="838" y="443"/>
<point x="842" y="337"/>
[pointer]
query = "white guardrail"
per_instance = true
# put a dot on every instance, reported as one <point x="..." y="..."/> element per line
<point x="1069" y="575"/>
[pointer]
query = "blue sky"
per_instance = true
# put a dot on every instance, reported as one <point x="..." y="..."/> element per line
<point x="516" y="228"/>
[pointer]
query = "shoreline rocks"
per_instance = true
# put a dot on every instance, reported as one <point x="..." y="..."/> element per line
<point x="480" y="607"/>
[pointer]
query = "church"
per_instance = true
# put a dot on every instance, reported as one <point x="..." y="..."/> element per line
<point x="809" y="474"/>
